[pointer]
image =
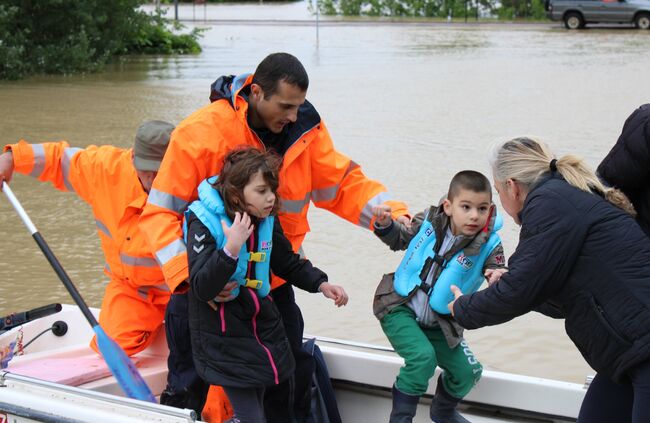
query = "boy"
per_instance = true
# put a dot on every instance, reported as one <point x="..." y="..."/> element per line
<point x="442" y="240"/>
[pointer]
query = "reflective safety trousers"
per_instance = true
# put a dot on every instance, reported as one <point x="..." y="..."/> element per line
<point x="466" y="272"/>
<point x="104" y="177"/>
<point x="210" y="210"/>
<point x="312" y="171"/>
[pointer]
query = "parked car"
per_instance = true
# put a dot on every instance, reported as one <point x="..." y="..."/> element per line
<point x="577" y="13"/>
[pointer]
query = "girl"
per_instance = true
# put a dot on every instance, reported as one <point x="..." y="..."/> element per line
<point x="232" y="235"/>
<point x="582" y="258"/>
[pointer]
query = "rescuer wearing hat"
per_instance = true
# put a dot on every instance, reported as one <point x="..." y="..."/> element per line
<point x="115" y="182"/>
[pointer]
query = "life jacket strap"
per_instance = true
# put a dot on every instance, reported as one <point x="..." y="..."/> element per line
<point x="253" y="283"/>
<point x="258" y="257"/>
<point x="428" y="264"/>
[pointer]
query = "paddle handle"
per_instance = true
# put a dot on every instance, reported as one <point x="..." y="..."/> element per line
<point x="54" y="262"/>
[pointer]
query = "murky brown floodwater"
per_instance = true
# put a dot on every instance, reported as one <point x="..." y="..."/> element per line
<point x="412" y="103"/>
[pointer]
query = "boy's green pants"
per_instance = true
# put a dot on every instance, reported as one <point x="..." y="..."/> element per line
<point x="422" y="350"/>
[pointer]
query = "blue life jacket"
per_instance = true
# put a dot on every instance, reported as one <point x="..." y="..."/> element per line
<point x="466" y="272"/>
<point x="210" y="210"/>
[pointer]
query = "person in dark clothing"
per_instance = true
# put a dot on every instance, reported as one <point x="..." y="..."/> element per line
<point x="269" y="111"/>
<point x="581" y="257"/>
<point x="627" y="165"/>
<point x="232" y="235"/>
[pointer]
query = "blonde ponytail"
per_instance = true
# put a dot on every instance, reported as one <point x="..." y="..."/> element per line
<point x="526" y="160"/>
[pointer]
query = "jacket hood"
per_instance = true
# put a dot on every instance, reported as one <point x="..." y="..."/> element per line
<point x="221" y="88"/>
<point x="227" y="87"/>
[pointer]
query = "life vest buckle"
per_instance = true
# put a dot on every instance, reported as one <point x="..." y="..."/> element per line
<point x="253" y="283"/>
<point x="257" y="257"/>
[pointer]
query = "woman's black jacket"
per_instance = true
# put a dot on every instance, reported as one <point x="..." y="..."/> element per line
<point x="242" y="343"/>
<point x="627" y="165"/>
<point x="580" y="258"/>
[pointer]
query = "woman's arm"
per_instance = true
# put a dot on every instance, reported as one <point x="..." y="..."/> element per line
<point x="551" y="310"/>
<point x="550" y="241"/>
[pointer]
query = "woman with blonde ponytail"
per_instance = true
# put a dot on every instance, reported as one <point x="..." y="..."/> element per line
<point x="581" y="257"/>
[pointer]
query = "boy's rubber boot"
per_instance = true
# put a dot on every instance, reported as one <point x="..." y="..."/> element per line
<point x="404" y="406"/>
<point x="443" y="407"/>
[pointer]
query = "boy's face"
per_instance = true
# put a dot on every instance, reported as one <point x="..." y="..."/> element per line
<point x="468" y="211"/>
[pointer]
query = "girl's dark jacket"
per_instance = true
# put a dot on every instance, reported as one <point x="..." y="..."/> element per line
<point x="242" y="343"/>
<point x="582" y="259"/>
<point x="627" y="165"/>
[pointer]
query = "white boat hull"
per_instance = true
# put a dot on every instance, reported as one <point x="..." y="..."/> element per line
<point x="362" y="376"/>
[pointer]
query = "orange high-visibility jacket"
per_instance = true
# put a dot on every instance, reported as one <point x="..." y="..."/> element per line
<point x="312" y="170"/>
<point x="105" y="178"/>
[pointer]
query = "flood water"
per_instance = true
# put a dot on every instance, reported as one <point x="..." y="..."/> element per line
<point x="413" y="104"/>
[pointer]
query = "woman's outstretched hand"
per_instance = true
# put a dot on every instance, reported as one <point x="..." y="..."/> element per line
<point x="457" y="293"/>
<point x="334" y="292"/>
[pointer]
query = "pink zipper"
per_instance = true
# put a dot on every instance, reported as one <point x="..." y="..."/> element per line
<point x="254" y="320"/>
<point x="222" y="314"/>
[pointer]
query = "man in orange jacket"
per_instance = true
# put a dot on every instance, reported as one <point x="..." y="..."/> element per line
<point x="266" y="110"/>
<point x="115" y="182"/>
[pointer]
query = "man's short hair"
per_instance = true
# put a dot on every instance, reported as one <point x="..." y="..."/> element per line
<point x="278" y="67"/>
<point x="470" y="180"/>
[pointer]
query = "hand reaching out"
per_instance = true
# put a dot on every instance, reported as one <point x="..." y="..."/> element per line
<point x="238" y="233"/>
<point x="334" y="292"/>
<point x="404" y="220"/>
<point x="382" y="214"/>
<point x="457" y="293"/>
<point x="494" y="275"/>
<point x="6" y="167"/>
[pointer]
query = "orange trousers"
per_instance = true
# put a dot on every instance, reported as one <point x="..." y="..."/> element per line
<point x="130" y="316"/>
<point x="217" y="408"/>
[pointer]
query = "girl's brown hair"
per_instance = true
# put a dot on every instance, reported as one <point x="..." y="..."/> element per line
<point x="238" y="167"/>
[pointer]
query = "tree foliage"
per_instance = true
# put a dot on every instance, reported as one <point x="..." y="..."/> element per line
<point x="503" y="9"/>
<point x="68" y="36"/>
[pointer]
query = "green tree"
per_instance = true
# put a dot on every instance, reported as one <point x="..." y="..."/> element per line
<point x="68" y="36"/>
<point x="504" y="9"/>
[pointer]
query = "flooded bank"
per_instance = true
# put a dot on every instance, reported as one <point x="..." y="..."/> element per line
<point x="413" y="104"/>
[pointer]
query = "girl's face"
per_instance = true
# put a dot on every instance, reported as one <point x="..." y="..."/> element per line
<point x="258" y="196"/>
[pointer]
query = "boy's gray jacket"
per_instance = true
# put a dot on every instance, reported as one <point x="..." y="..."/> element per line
<point x="398" y="237"/>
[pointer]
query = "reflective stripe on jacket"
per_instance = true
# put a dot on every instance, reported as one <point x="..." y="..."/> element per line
<point x="312" y="171"/>
<point x="104" y="177"/>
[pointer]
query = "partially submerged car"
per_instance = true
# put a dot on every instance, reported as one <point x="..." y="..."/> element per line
<point x="577" y="13"/>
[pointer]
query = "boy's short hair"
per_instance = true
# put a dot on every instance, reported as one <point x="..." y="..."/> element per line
<point x="470" y="180"/>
